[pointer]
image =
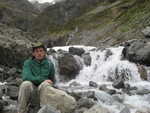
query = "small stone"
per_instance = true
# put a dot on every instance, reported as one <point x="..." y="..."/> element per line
<point x="93" y="84"/>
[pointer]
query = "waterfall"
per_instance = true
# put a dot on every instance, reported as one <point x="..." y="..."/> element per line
<point x="106" y="66"/>
<point x="103" y="67"/>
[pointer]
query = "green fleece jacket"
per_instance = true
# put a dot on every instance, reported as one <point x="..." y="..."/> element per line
<point x="36" y="71"/>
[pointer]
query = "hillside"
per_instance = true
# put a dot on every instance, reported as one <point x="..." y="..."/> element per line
<point x="15" y="18"/>
<point x="17" y="13"/>
<point x="101" y="23"/>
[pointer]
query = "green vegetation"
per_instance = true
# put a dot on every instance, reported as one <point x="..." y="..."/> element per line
<point x="125" y="15"/>
<point x="135" y="16"/>
<point x="3" y="6"/>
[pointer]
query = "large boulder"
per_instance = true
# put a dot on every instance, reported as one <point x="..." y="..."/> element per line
<point x="138" y="51"/>
<point x="68" y="66"/>
<point x="76" y="51"/>
<point x="58" y="99"/>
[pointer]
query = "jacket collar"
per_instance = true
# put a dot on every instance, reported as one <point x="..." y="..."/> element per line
<point x="39" y="62"/>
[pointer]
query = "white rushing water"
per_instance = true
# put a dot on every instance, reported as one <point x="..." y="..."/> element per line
<point x="106" y="66"/>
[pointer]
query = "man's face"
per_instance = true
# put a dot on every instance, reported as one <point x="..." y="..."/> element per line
<point x="39" y="53"/>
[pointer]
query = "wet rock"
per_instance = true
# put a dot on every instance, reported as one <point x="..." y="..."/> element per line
<point x="76" y="51"/>
<point x="85" y="103"/>
<point x="104" y="97"/>
<point x="138" y="51"/>
<point x="87" y="59"/>
<point x="140" y="91"/>
<point x="108" y="54"/>
<point x="119" y="83"/>
<point x="74" y="84"/>
<point x="84" y="94"/>
<point x="111" y="91"/>
<point x="119" y="98"/>
<point x="68" y="66"/>
<point x="125" y="110"/>
<point x="48" y="109"/>
<point x="143" y="72"/>
<point x="93" y="84"/>
<point x="97" y="109"/>
<point x="107" y="90"/>
<point x="146" y="32"/>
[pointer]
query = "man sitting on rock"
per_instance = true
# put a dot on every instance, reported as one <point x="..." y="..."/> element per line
<point x="38" y="72"/>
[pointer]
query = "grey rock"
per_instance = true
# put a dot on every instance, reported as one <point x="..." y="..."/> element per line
<point x="119" y="98"/>
<point x="98" y="109"/>
<point x="58" y="99"/>
<point x="68" y="66"/>
<point x="85" y="103"/>
<point x="12" y="71"/>
<point x="74" y="84"/>
<point x="76" y="51"/>
<point x="48" y="109"/>
<point x="107" y="54"/>
<point x="14" y="46"/>
<point x="1" y="105"/>
<point x="119" y="84"/>
<point x="81" y="110"/>
<point x="104" y="97"/>
<point x="143" y="72"/>
<point x="125" y="110"/>
<point x="93" y="84"/>
<point x="84" y="94"/>
<point x="13" y="92"/>
<point x="138" y="51"/>
<point x="87" y="59"/>
<point x="146" y="32"/>
<point x="1" y="92"/>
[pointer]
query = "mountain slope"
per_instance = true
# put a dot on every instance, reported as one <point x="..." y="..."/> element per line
<point x="106" y="22"/>
<point x="17" y="13"/>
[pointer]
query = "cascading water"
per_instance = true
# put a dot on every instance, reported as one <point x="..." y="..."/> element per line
<point x="106" y="67"/>
<point x="103" y="67"/>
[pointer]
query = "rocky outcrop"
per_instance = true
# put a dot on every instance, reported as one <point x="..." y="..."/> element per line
<point x="17" y="13"/>
<point x="68" y="10"/>
<point x="138" y="51"/>
<point x="14" y="46"/>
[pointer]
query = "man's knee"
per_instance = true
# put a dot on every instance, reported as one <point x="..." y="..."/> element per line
<point x="44" y="85"/>
<point x="26" y="84"/>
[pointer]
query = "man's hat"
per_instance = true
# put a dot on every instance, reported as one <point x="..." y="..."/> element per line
<point x="38" y="45"/>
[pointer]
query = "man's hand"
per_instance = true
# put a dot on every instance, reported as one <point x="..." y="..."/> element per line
<point x="49" y="81"/>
